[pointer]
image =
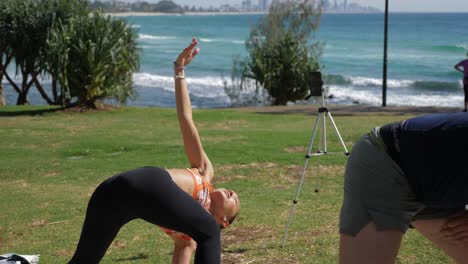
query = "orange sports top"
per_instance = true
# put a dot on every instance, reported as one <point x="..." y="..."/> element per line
<point x="201" y="193"/>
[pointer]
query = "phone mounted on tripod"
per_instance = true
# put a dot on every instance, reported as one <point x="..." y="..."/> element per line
<point x="315" y="84"/>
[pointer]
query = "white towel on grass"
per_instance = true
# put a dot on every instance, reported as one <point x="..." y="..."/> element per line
<point x="13" y="258"/>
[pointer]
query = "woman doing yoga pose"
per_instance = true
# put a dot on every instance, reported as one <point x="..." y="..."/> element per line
<point x="181" y="201"/>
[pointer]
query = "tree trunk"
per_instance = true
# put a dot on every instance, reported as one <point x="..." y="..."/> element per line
<point x="2" y="73"/>
<point x="54" y="91"/>
<point x="21" y="100"/>
<point x="41" y="90"/>
<point x="12" y="83"/>
<point x="279" y="101"/>
<point x="2" y="96"/>
<point x="23" y="96"/>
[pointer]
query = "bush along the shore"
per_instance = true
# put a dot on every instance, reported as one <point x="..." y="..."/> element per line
<point x="88" y="56"/>
<point x="282" y="52"/>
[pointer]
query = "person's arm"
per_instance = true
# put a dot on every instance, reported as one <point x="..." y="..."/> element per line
<point x="183" y="250"/>
<point x="184" y="246"/>
<point x="192" y="143"/>
<point x="457" y="67"/>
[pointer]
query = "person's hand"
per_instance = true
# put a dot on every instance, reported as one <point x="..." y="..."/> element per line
<point x="456" y="228"/>
<point x="186" y="56"/>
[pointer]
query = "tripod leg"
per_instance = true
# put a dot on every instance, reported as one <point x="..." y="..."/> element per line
<point x="314" y="133"/>
<point x="307" y="157"/>
<point x="324" y="136"/>
<point x="338" y="133"/>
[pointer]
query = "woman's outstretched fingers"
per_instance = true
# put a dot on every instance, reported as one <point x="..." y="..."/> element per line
<point x="188" y="53"/>
<point x="188" y="50"/>
<point x="192" y="55"/>
<point x="195" y="52"/>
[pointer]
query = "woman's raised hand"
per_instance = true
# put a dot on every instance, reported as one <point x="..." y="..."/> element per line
<point x="186" y="56"/>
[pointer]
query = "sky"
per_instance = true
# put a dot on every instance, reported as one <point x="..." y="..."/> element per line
<point x="394" y="5"/>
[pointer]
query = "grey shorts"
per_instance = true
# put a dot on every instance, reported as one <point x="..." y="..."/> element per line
<point x="376" y="190"/>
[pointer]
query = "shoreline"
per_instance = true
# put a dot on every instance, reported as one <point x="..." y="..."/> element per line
<point x="207" y="13"/>
<point x="351" y="110"/>
<point x="142" y="14"/>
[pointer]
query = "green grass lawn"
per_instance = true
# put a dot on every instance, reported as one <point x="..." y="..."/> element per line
<point x="50" y="163"/>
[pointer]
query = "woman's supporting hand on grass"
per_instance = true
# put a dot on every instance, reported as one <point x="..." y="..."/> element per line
<point x="456" y="228"/>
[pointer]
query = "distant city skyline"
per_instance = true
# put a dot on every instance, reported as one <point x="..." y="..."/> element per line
<point x="394" y="5"/>
<point x="418" y="5"/>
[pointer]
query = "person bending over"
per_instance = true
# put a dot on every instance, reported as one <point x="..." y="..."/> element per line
<point x="181" y="201"/>
<point x="411" y="173"/>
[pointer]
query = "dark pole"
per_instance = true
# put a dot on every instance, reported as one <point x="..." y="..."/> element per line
<point x="384" y="80"/>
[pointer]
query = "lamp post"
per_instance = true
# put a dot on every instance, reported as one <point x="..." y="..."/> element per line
<point x="384" y="79"/>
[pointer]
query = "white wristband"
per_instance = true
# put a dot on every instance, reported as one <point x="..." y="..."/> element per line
<point x="179" y="77"/>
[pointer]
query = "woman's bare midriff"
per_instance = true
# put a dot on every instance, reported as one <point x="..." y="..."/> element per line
<point x="183" y="179"/>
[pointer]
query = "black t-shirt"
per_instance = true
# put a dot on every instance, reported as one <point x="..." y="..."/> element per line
<point x="432" y="151"/>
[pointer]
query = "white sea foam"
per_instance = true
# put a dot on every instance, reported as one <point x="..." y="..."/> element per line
<point x="213" y="87"/>
<point x="241" y="42"/>
<point x="235" y="41"/>
<point x="463" y="46"/>
<point x="349" y="95"/>
<point x="151" y="80"/>
<point x="146" y="36"/>
<point x="362" y="90"/>
<point x="206" y="40"/>
<point x="207" y="87"/>
<point x="366" y="81"/>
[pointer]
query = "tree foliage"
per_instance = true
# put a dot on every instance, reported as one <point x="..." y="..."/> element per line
<point x="80" y="51"/>
<point x="93" y="58"/>
<point x="282" y="51"/>
<point x="163" y="6"/>
<point x="23" y="29"/>
<point x="167" y="7"/>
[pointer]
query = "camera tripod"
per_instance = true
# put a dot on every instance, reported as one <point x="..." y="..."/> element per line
<point x="320" y="123"/>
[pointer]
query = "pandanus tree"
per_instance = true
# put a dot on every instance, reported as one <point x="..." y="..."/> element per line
<point x="87" y="56"/>
<point x="5" y="50"/>
<point x="93" y="58"/>
<point x="28" y="31"/>
<point x="24" y="25"/>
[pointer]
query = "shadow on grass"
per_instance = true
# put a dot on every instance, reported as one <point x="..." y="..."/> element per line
<point x="253" y="248"/>
<point x="27" y="112"/>
<point x="352" y="110"/>
<point x="137" y="257"/>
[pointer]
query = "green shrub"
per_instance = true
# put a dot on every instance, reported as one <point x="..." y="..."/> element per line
<point x="93" y="57"/>
<point x="281" y="52"/>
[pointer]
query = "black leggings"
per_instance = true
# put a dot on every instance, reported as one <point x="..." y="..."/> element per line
<point x="150" y="194"/>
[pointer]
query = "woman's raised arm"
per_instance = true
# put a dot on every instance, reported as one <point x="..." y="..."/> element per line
<point x="192" y="143"/>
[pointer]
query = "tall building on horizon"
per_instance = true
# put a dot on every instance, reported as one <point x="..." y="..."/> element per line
<point x="263" y="5"/>
<point x="246" y="5"/>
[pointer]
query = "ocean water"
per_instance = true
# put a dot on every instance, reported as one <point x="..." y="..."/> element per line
<point x="422" y="50"/>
